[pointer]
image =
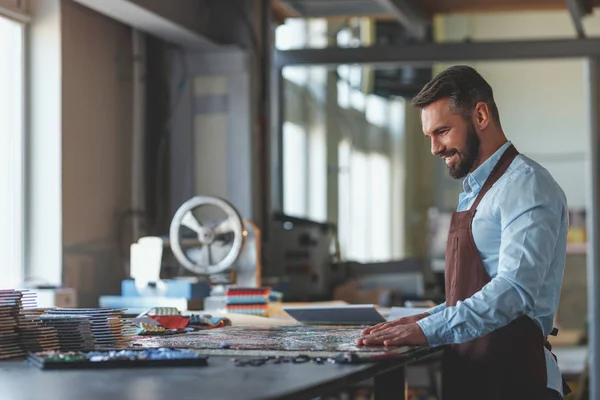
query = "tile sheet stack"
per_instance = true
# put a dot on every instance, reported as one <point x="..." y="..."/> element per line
<point x="25" y="328"/>
<point x="129" y="330"/>
<point x="107" y="325"/>
<point x="21" y="329"/>
<point x="248" y="300"/>
<point x="34" y="336"/>
<point x="123" y="330"/>
<point x="74" y="331"/>
<point x="9" y="337"/>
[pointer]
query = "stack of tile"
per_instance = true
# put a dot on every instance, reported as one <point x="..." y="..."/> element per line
<point x="21" y="329"/>
<point x="34" y="336"/>
<point x="247" y="300"/>
<point x="123" y="329"/>
<point x="97" y="319"/>
<point x="74" y="331"/>
<point x="25" y="328"/>
<point x="115" y="326"/>
<point x="106" y="324"/>
<point x="129" y="329"/>
<point x="9" y="310"/>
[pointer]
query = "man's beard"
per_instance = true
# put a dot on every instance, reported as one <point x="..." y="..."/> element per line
<point x="467" y="157"/>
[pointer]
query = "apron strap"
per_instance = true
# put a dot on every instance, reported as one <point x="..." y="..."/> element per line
<point x="501" y="167"/>
<point x="565" y="386"/>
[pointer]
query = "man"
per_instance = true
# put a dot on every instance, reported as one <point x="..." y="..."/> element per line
<point x="504" y="259"/>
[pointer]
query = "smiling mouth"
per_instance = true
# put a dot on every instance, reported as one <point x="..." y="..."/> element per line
<point x="450" y="159"/>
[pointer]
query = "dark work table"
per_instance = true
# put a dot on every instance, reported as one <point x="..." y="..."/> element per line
<point x="221" y="379"/>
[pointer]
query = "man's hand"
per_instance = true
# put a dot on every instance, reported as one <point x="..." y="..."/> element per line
<point x="400" y="335"/>
<point x="400" y="321"/>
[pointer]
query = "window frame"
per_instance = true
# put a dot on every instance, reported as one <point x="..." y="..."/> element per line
<point x="18" y="275"/>
<point x="18" y="13"/>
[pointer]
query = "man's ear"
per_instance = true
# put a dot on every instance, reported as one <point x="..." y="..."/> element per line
<point x="481" y="116"/>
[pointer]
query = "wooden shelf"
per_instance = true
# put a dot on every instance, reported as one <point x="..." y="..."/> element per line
<point x="576" y="248"/>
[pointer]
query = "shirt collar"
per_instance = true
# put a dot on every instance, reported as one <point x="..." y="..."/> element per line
<point x="475" y="180"/>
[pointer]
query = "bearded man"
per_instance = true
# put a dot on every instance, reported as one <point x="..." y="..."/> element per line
<point x="505" y="254"/>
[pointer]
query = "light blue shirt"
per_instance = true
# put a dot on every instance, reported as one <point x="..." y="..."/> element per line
<point x="520" y="230"/>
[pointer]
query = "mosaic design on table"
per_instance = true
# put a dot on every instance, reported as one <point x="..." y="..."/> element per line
<point x="271" y="340"/>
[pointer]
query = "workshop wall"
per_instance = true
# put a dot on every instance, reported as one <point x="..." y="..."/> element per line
<point x="96" y="149"/>
<point x="543" y="110"/>
<point x="542" y="103"/>
<point x="235" y="25"/>
<point x="91" y="112"/>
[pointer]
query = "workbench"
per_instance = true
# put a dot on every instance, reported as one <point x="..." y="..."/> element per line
<point x="221" y="379"/>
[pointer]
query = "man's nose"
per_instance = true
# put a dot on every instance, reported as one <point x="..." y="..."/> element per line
<point x="436" y="147"/>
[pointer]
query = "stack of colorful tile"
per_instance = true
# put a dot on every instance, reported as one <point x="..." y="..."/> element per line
<point x="34" y="336"/>
<point x="100" y="320"/>
<point x="120" y="328"/>
<point x="9" y="341"/>
<point x="129" y="329"/>
<point x="74" y="331"/>
<point x="108" y="326"/>
<point x="248" y="300"/>
<point x="115" y="325"/>
<point x="20" y="328"/>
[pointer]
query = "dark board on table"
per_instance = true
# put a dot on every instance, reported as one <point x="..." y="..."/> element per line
<point x="163" y="357"/>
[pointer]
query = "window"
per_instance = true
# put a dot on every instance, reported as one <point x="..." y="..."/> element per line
<point x="299" y="33"/>
<point x="317" y="174"/>
<point x="11" y="153"/>
<point x="363" y="129"/>
<point x="377" y="111"/>
<point x="365" y="205"/>
<point x="295" y="150"/>
<point x="304" y="172"/>
<point x="304" y="143"/>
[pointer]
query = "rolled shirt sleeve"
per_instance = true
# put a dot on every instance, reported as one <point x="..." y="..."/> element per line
<point x="437" y="309"/>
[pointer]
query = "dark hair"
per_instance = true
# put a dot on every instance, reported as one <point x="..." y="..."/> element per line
<point x="463" y="86"/>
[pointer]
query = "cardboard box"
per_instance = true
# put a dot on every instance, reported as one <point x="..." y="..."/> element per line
<point x="60" y="297"/>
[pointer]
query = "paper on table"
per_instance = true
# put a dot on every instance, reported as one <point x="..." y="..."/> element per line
<point x="399" y="312"/>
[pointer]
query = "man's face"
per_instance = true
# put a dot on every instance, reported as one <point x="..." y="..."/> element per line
<point x="452" y="137"/>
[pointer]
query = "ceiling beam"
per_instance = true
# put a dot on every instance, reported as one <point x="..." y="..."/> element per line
<point x="577" y="10"/>
<point x="430" y="53"/>
<point x="281" y="12"/>
<point x="408" y="15"/>
<point x="432" y="7"/>
<point x="145" y="20"/>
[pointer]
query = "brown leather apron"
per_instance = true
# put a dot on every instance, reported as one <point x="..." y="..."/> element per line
<point x="507" y="364"/>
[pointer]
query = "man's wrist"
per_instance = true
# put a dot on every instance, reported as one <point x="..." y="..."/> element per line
<point x="423" y="315"/>
<point x="436" y="330"/>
